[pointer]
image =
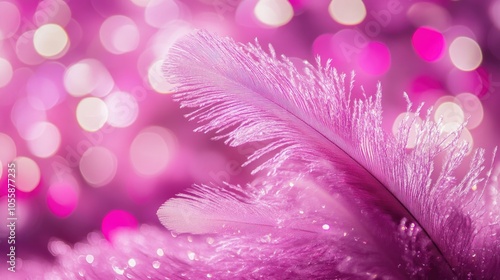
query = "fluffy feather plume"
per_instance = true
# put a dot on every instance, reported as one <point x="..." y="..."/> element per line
<point x="330" y="175"/>
<point x="334" y="196"/>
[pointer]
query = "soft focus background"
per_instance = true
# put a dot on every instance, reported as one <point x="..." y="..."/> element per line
<point x="99" y="143"/>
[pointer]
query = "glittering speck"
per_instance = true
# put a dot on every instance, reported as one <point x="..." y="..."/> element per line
<point x="156" y="264"/>
<point x="191" y="255"/>
<point x="117" y="270"/>
<point x="89" y="258"/>
<point x="160" y="252"/>
<point x="326" y="227"/>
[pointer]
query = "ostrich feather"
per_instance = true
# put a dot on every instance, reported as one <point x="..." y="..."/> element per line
<point x="333" y="195"/>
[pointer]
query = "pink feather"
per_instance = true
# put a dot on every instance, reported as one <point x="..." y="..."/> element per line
<point x="334" y="196"/>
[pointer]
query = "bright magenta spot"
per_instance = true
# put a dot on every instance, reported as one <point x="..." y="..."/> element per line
<point x="428" y="43"/>
<point x="62" y="199"/>
<point x="115" y="220"/>
<point x="375" y="58"/>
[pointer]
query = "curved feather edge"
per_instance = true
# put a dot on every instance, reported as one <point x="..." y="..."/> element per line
<point x="312" y="126"/>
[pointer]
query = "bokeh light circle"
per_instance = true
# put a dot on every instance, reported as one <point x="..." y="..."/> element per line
<point x="45" y="88"/>
<point x="416" y="123"/>
<point x="476" y="82"/>
<point x="52" y="11"/>
<point x="10" y="19"/>
<point x="449" y="112"/>
<point x="159" y="13"/>
<point x="91" y="113"/>
<point x="447" y="130"/>
<point x="119" y="34"/>
<point x="88" y="76"/>
<point x="28" y="174"/>
<point x="24" y="115"/>
<point x="62" y="198"/>
<point x="44" y="139"/>
<point x="273" y="13"/>
<point x="25" y="49"/>
<point x="151" y="150"/>
<point x="429" y="14"/>
<point x="6" y="72"/>
<point x="465" y="53"/>
<point x="50" y="40"/>
<point x="98" y="166"/>
<point x="156" y="79"/>
<point x="123" y="109"/>
<point x="452" y="117"/>
<point x="116" y="220"/>
<point x="347" y="12"/>
<point x="473" y="109"/>
<point x="375" y="58"/>
<point x="428" y="43"/>
<point x="8" y="150"/>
